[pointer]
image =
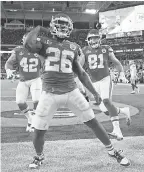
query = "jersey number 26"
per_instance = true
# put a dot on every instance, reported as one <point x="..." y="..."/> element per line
<point x="59" y="61"/>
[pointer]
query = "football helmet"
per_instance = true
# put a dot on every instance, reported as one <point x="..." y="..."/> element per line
<point x="61" y="25"/>
<point x="93" y="38"/>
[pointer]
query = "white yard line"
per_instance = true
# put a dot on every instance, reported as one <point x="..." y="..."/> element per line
<point x="13" y="101"/>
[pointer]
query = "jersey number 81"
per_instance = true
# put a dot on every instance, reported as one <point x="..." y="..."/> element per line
<point x="93" y="61"/>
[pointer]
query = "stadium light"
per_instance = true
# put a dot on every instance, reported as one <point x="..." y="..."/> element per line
<point x="91" y="11"/>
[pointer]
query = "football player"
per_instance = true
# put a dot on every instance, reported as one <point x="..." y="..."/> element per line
<point x="97" y="59"/>
<point x="29" y="66"/>
<point x="59" y="88"/>
<point x="133" y="77"/>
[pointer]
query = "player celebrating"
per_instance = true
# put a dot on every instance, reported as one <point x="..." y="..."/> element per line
<point x="59" y="88"/>
<point x="29" y="65"/>
<point x="97" y="58"/>
<point x="133" y="79"/>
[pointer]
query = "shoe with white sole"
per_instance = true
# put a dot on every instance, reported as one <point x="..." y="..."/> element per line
<point x="29" y="128"/>
<point x="116" y="135"/>
<point x="133" y="92"/>
<point x="37" y="162"/>
<point x="122" y="160"/>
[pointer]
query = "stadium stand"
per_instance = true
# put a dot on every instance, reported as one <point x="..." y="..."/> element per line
<point x="125" y="47"/>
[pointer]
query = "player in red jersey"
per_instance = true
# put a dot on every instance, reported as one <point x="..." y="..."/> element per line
<point x="29" y="66"/>
<point x="59" y="88"/>
<point x="97" y="58"/>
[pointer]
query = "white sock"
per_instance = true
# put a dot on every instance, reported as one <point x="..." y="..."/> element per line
<point x="26" y="113"/>
<point x="115" y="123"/>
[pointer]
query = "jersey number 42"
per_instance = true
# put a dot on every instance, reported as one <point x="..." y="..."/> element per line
<point x="29" y="65"/>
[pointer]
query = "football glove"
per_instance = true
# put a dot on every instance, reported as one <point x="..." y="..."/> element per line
<point x="9" y="73"/>
<point x="122" y="77"/>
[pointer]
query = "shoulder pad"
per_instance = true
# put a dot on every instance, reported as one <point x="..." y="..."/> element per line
<point x="107" y="47"/>
<point x="73" y="46"/>
<point x="84" y="48"/>
<point x="17" y="48"/>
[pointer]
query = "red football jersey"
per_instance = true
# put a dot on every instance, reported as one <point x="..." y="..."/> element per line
<point x="97" y="61"/>
<point x="58" y="76"/>
<point x="29" y="64"/>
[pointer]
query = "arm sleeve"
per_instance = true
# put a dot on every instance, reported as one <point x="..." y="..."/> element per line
<point x="11" y="62"/>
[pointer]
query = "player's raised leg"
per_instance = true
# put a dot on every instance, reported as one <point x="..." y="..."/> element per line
<point x="77" y="104"/>
<point x="105" y="92"/>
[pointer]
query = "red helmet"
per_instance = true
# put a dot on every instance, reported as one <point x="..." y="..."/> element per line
<point x="93" y="38"/>
<point x="61" y="25"/>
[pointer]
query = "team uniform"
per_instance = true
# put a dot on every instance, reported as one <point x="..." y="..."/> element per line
<point x="29" y="66"/>
<point x="96" y="64"/>
<point x="97" y="58"/>
<point x="58" y="84"/>
<point x="59" y="88"/>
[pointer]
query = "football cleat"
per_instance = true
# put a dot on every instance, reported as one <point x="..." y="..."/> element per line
<point x="116" y="135"/>
<point x="37" y="162"/>
<point x="29" y="128"/>
<point x="126" y="111"/>
<point x="122" y="160"/>
<point x="133" y="92"/>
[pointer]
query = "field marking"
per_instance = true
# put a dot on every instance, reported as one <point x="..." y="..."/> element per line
<point x="13" y="101"/>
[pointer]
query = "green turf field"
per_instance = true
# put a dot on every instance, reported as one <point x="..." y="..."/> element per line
<point x="72" y="148"/>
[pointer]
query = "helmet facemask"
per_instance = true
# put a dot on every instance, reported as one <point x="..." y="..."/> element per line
<point x="61" y="26"/>
<point x="93" y="41"/>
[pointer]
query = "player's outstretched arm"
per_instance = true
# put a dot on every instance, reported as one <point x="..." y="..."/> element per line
<point x="9" y="65"/>
<point x="116" y="62"/>
<point x="85" y="79"/>
<point x="118" y="65"/>
<point x="11" y="61"/>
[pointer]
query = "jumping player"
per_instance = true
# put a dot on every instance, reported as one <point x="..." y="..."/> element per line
<point x="133" y="78"/>
<point x="29" y="66"/>
<point x="97" y="58"/>
<point x="59" y="88"/>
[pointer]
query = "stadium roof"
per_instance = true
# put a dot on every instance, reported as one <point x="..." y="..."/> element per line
<point x="8" y="7"/>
